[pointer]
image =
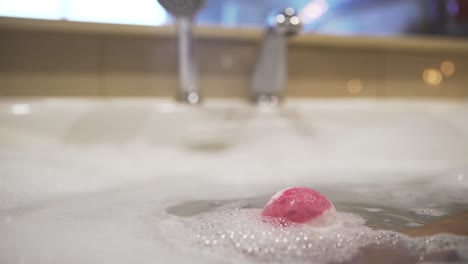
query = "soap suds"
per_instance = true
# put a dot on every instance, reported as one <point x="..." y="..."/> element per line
<point x="243" y="232"/>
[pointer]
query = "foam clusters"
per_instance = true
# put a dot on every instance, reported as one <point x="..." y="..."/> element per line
<point x="245" y="232"/>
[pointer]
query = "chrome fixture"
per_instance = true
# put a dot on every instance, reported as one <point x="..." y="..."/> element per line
<point x="270" y="74"/>
<point x="184" y="12"/>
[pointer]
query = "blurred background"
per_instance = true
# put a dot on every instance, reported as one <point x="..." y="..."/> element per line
<point x="335" y="17"/>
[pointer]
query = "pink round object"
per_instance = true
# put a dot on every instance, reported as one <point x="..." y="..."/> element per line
<point x="301" y="205"/>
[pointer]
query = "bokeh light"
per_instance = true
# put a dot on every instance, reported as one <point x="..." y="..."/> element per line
<point x="447" y="68"/>
<point x="313" y="11"/>
<point x="354" y="86"/>
<point x="432" y="77"/>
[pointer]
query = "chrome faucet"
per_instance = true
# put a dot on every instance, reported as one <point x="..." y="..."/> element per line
<point x="184" y="12"/>
<point x="270" y="74"/>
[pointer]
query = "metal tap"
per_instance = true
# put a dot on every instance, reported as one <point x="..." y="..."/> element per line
<point x="184" y="12"/>
<point x="270" y="74"/>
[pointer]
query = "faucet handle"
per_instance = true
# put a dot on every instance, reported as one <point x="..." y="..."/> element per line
<point x="286" y="22"/>
<point x="270" y="73"/>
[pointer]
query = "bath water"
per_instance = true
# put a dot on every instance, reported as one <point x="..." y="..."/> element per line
<point x="110" y="205"/>
<point x="365" y="233"/>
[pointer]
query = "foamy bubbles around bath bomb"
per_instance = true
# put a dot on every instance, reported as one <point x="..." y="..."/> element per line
<point x="254" y="234"/>
<point x="246" y="232"/>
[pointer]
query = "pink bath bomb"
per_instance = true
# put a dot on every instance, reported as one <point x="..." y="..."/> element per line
<point x="301" y="205"/>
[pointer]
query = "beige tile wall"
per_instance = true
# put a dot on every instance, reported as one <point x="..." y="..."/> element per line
<point x="327" y="71"/>
<point x="33" y="63"/>
<point x="40" y="63"/>
<point x="403" y="74"/>
<point x="138" y="66"/>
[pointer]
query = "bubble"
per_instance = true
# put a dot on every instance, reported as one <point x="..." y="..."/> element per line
<point x="265" y="242"/>
<point x="429" y="212"/>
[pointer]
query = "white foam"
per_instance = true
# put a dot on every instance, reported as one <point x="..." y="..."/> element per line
<point x="243" y="233"/>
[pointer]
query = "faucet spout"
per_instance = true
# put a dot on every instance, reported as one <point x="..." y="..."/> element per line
<point x="185" y="11"/>
<point x="270" y="74"/>
<point x="189" y="90"/>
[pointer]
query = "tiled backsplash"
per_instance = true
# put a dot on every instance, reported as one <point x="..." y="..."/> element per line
<point x="63" y="62"/>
